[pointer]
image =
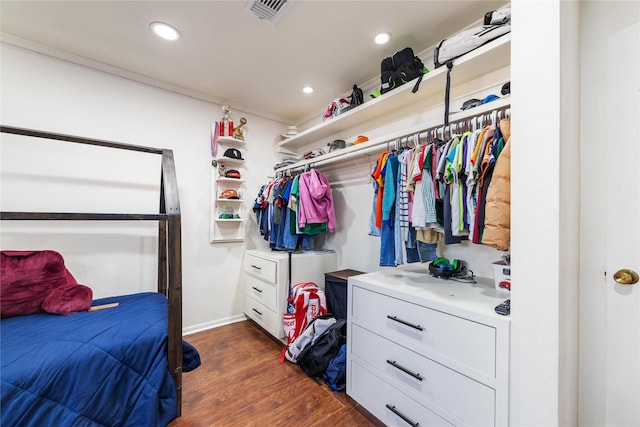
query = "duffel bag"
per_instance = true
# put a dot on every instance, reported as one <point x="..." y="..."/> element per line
<point x="466" y="41"/>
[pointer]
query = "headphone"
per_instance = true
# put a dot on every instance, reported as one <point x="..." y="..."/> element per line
<point x="443" y="268"/>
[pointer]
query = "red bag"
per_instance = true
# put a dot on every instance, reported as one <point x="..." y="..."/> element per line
<point x="309" y="302"/>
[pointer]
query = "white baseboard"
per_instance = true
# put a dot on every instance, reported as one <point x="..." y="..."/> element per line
<point x="215" y="324"/>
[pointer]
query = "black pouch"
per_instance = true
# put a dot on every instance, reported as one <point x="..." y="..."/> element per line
<point x="386" y="74"/>
<point x="400" y="68"/>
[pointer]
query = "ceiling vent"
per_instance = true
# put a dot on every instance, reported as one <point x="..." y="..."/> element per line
<point x="268" y="10"/>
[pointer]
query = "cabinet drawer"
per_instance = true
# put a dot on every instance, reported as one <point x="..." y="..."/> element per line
<point x="263" y="315"/>
<point x="461" y="396"/>
<point x="431" y="332"/>
<point x="260" y="290"/>
<point x="387" y="403"/>
<point x="260" y="267"/>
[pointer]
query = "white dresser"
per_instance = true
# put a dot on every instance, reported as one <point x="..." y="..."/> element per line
<point x="426" y="351"/>
<point x="266" y="282"/>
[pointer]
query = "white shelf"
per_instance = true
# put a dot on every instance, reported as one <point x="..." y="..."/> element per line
<point x="227" y="140"/>
<point x="228" y="160"/>
<point x="373" y="145"/>
<point x="229" y="200"/>
<point x="490" y="57"/>
<point x="223" y="230"/>
<point x="224" y="179"/>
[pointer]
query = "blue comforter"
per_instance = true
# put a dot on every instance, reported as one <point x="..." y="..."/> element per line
<point x="106" y="368"/>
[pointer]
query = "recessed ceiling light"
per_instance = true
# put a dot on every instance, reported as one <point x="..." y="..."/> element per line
<point x="307" y="89"/>
<point x="164" y="31"/>
<point x="382" y="38"/>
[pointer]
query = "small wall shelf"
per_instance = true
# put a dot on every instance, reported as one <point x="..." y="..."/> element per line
<point x="226" y="229"/>
<point x="229" y="200"/>
<point x="227" y="140"/>
<point x="227" y="160"/>
<point x="229" y="180"/>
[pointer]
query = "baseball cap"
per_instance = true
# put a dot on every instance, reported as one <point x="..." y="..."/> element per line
<point x="506" y="88"/>
<point x="232" y="173"/>
<point x="470" y="103"/>
<point x="233" y="153"/>
<point x="360" y="139"/>
<point x="490" y="98"/>
<point x="229" y="194"/>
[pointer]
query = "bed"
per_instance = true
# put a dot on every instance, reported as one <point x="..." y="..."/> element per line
<point x="120" y="365"/>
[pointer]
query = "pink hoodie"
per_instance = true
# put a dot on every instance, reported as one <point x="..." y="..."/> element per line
<point x="316" y="200"/>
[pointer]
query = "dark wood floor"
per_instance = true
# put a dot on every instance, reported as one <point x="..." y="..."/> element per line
<point x="241" y="382"/>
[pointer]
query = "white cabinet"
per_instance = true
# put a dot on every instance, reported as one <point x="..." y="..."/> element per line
<point x="266" y="283"/>
<point x="227" y="215"/>
<point x="427" y="351"/>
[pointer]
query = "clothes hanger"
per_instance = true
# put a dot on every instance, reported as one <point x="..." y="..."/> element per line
<point x="416" y="139"/>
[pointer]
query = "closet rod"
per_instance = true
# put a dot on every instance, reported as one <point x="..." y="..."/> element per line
<point x="377" y="146"/>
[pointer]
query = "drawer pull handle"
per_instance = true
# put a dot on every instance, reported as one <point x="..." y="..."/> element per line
<point x="256" y="311"/>
<point x="405" y="370"/>
<point x="257" y="289"/>
<point x="408" y="420"/>
<point x="256" y="267"/>
<point x="404" y="322"/>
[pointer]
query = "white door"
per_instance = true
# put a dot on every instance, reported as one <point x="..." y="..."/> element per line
<point x="622" y="305"/>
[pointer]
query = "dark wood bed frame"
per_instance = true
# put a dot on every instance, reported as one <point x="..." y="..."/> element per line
<point x="169" y="235"/>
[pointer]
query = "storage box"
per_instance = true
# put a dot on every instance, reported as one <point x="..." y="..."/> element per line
<point x="335" y="288"/>
<point x="501" y="273"/>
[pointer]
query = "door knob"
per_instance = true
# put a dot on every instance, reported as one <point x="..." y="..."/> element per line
<point x="626" y="277"/>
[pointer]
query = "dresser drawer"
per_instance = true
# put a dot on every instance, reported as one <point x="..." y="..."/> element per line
<point x="436" y="334"/>
<point x="264" y="316"/>
<point x="260" y="290"/>
<point x="260" y="267"/>
<point x="461" y="396"/>
<point x="387" y="403"/>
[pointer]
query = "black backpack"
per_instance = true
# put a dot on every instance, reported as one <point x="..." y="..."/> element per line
<point x="315" y="358"/>
<point x="400" y="68"/>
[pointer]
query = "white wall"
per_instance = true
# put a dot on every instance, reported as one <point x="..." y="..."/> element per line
<point x="544" y="210"/>
<point x="44" y="93"/>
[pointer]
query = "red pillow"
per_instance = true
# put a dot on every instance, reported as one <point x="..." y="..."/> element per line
<point x="27" y="278"/>
<point x="68" y="299"/>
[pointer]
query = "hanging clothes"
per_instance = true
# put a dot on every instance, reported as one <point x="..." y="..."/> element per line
<point x="498" y="201"/>
<point x="316" y="201"/>
<point x="385" y="175"/>
<point x="402" y="197"/>
<point x="378" y="176"/>
<point x="486" y="171"/>
<point x="389" y="211"/>
<point x="290" y="211"/>
<point x="440" y="192"/>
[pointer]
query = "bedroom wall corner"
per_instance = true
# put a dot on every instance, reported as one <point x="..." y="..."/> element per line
<point x="42" y="92"/>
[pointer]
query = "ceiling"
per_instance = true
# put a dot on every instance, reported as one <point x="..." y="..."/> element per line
<point x="228" y="55"/>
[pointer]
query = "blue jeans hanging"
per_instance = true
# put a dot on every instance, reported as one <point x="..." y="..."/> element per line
<point x="411" y="245"/>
